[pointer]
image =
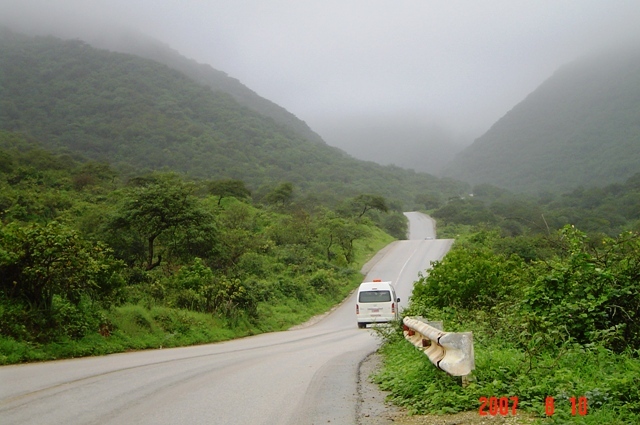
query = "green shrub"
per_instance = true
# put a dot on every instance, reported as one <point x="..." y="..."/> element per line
<point x="254" y="264"/>
<point x="590" y="294"/>
<point x="562" y="324"/>
<point x="40" y="262"/>
<point x="323" y="282"/>
<point x="467" y="278"/>
<point x="64" y="320"/>
<point x="195" y="287"/>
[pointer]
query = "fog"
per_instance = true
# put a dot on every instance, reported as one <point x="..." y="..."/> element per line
<point x="357" y="70"/>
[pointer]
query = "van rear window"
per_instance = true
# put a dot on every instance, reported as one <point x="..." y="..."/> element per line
<point x="374" y="296"/>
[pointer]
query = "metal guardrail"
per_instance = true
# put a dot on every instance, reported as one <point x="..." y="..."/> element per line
<point x="449" y="351"/>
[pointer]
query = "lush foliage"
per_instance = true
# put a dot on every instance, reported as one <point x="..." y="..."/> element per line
<point x="562" y="323"/>
<point x="143" y="46"/>
<point x="96" y="263"/>
<point x="591" y="294"/>
<point x="140" y="115"/>
<point x="582" y="294"/>
<point x="609" y="210"/>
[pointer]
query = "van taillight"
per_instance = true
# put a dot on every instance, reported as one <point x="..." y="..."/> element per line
<point x="393" y="307"/>
<point x="357" y="309"/>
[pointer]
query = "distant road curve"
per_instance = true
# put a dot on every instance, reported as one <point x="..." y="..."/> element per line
<point x="303" y="376"/>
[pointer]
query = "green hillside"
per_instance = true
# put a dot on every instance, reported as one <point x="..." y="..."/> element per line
<point x="581" y="127"/>
<point x="141" y="115"/>
<point x="137" y="44"/>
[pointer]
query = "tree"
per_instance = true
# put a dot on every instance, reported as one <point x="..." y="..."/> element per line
<point x="368" y="202"/>
<point x="340" y="232"/>
<point x="464" y="211"/>
<point x="38" y="262"/>
<point x="228" y="187"/>
<point x="396" y="225"/>
<point x="162" y="204"/>
<point x="92" y="172"/>
<point x="281" y="194"/>
<point x="429" y="200"/>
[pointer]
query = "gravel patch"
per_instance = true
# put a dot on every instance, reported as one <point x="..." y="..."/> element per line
<point x="372" y="408"/>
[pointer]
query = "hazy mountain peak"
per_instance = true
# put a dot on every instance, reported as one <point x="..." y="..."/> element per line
<point x="580" y="127"/>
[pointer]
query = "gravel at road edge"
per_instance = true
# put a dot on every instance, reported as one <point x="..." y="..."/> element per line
<point x="372" y="408"/>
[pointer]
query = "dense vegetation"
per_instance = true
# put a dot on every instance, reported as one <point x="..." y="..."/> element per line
<point x="139" y="115"/>
<point x="196" y="219"/>
<point x="580" y="127"/>
<point x="120" y="40"/>
<point x="139" y="208"/>
<point x="555" y="311"/>
<point x="91" y="262"/>
<point x="607" y="210"/>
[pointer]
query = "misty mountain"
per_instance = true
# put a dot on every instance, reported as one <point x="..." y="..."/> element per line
<point x="127" y="41"/>
<point x="387" y="141"/>
<point x="143" y="115"/>
<point x="581" y="127"/>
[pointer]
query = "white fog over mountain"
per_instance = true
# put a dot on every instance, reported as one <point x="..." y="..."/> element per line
<point x="407" y="83"/>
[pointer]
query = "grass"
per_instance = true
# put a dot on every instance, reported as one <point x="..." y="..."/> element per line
<point x="610" y="382"/>
<point x="132" y="327"/>
<point x="366" y="249"/>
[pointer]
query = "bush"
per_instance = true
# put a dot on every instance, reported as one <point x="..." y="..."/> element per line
<point x="591" y="294"/>
<point x="195" y="287"/>
<point x="323" y="282"/>
<point x="40" y="262"/>
<point x="64" y="320"/>
<point x="467" y="278"/>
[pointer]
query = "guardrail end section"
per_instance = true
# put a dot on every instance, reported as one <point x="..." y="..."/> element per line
<point x="450" y="351"/>
<point x="460" y="358"/>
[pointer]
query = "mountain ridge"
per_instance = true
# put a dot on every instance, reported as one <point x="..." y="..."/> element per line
<point x="578" y="128"/>
<point x="128" y="41"/>
<point x="143" y="115"/>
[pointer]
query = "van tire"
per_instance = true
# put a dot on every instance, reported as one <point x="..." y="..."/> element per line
<point x="362" y="325"/>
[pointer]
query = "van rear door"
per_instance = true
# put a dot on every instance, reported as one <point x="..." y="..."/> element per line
<point x="376" y="305"/>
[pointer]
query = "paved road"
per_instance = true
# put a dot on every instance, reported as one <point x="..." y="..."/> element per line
<point x="303" y="376"/>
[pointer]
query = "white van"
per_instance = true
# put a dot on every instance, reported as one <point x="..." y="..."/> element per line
<point x="376" y="302"/>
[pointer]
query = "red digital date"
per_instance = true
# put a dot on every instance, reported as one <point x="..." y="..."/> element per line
<point x="500" y="406"/>
<point x="497" y="406"/>
<point x="578" y="406"/>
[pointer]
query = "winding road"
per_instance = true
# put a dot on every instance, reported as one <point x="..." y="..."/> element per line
<point x="303" y="376"/>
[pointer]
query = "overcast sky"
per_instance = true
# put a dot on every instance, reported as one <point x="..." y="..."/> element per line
<point x="459" y="64"/>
